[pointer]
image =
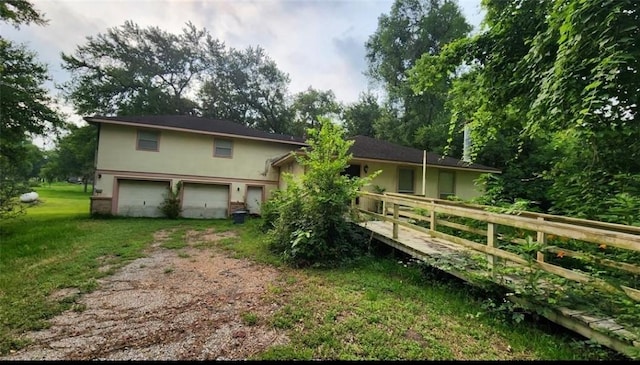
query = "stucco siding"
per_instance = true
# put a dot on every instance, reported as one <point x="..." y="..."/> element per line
<point x="187" y="154"/>
<point x="186" y="157"/>
<point x="465" y="185"/>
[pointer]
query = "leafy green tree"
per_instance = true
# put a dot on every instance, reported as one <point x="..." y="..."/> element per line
<point x="25" y="105"/>
<point x="75" y="154"/>
<point x="133" y="70"/>
<point x="311" y="105"/>
<point x="553" y="86"/>
<point x="247" y="87"/>
<point x="359" y="117"/>
<point x="310" y="226"/>
<point x="19" y="12"/>
<point x="413" y="28"/>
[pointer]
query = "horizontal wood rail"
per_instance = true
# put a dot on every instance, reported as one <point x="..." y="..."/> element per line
<point x="548" y="217"/>
<point x="600" y="233"/>
<point x="634" y="269"/>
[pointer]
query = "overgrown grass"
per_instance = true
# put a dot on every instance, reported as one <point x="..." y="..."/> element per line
<point x="380" y="309"/>
<point x="374" y="309"/>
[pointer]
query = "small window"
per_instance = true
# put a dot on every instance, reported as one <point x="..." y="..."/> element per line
<point x="446" y="184"/>
<point x="405" y="180"/>
<point x="222" y="148"/>
<point x="148" y="140"/>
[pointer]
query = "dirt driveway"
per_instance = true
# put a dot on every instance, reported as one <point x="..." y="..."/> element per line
<point x="187" y="304"/>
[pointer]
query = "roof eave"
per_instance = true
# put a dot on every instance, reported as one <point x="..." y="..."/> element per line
<point x="95" y="120"/>
<point x="463" y="168"/>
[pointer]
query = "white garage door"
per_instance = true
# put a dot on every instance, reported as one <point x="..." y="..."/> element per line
<point x="254" y="199"/>
<point x="141" y="198"/>
<point x="205" y="201"/>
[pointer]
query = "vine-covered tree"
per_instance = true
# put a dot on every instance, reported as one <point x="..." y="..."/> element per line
<point x="411" y="29"/>
<point x="554" y="87"/>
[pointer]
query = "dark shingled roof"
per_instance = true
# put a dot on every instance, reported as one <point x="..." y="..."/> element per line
<point x="363" y="147"/>
<point x="198" y="124"/>
<point x="367" y="147"/>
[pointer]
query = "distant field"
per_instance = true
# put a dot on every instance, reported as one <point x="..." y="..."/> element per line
<point x="61" y="199"/>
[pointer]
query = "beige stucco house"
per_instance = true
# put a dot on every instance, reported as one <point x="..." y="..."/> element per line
<point x="222" y="166"/>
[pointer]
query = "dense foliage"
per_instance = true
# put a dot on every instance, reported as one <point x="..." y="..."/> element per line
<point x="311" y="226"/>
<point x="131" y="70"/>
<point x="25" y="105"/>
<point x="74" y="155"/>
<point x="551" y="90"/>
<point x="411" y="29"/>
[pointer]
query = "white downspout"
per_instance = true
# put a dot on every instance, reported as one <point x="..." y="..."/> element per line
<point x="424" y="173"/>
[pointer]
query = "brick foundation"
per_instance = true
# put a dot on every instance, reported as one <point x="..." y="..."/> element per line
<point x="100" y="205"/>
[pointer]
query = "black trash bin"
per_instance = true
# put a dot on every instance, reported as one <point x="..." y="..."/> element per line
<point x="238" y="216"/>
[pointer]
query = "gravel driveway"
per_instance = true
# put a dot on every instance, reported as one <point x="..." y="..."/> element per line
<point x="185" y="304"/>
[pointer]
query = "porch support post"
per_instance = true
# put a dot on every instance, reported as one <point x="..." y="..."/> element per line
<point x="395" y="217"/>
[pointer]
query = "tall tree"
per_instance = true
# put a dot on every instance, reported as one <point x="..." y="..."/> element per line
<point x="310" y="105"/>
<point x="359" y="117"/>
<point x="131" y="70"/>
<point x="565" y="112"/>
<point x="25" y="104"/>
<point x="247" y="87"/>
<point x="413" y="28"/>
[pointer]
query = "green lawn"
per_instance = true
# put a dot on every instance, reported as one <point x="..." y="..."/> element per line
<point x="375" y="309"/>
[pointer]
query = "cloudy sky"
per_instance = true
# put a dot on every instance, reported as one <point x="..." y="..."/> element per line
<point x="319" y="43"/>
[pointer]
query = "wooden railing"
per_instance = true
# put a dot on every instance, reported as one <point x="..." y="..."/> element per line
<point x="406" y="211"/>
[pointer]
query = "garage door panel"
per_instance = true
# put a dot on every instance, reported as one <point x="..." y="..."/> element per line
<point x="205" y="201"/>
<point x="141" y="198"/>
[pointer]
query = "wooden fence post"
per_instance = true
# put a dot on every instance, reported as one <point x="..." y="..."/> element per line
<point x="395" y="217"/>
<point x="432" y="218"/>
<point x="384" y="207"/>
<point x="542" y="239"/>
<point x="491" y="242"/>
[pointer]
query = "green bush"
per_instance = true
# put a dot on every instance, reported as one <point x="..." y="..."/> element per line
<point x="309" y="218"/>
<point x="170" y="206"/>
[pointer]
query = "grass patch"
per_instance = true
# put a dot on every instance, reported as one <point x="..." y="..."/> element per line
<point x="249" y="318"/>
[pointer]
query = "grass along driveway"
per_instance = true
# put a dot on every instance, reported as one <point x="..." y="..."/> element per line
<point x="375" y="309"/>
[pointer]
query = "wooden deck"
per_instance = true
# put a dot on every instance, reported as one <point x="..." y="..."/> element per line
<point x="457" y="260"/>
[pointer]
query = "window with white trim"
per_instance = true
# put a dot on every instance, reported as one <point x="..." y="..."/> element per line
<point x="222" y="148"/>
<point x="446" y="184"/>
<point x="406" y="180"/>
<point x="147" y="140"/>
